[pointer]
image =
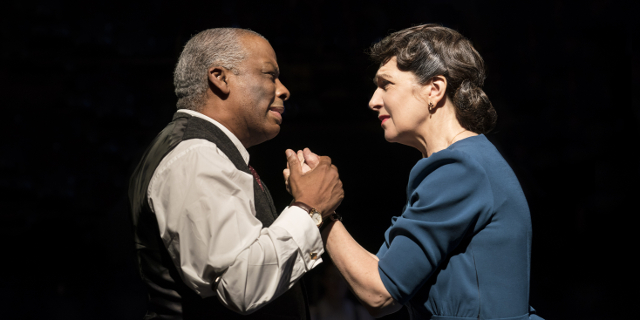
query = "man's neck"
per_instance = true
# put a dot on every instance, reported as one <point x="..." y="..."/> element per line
<point x="236" y="141"/>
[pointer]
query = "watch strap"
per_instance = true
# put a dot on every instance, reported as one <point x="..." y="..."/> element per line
<point x="311" y="211"/>
<point x="302" y="205"/>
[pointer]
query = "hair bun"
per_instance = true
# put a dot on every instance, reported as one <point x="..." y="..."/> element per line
<point x="475" y="111"/>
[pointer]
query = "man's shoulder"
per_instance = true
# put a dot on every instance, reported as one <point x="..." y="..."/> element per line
<point x="195" y="151"/>
<point x="191" y="160"/>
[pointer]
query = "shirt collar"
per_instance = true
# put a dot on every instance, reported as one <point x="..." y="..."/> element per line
<point x="232" y="137"/>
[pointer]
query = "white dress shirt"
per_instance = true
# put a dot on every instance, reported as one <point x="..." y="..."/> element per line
<point x="206" y="214"/>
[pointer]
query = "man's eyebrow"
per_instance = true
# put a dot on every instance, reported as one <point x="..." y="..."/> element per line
<point x="275" y="67"/>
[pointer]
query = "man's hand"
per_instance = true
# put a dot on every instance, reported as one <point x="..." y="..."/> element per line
<point x="308" y="159"/>
<point x="314" y="181"/>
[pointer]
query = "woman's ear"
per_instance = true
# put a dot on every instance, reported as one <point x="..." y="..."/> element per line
<point x="218" y="77"/>
<point x="437" y="90"/>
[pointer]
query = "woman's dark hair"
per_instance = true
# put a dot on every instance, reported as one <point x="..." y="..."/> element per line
<point x="430" y="50"/>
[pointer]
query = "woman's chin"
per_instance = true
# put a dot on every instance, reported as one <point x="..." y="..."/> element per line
<point x="389" y="138"/>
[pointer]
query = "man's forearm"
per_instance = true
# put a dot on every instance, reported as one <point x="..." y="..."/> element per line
<point x="360" y="269"/>
<point x="282" y="251"/>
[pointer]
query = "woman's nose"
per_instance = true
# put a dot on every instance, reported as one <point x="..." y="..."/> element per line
<point x="376" y="100"/>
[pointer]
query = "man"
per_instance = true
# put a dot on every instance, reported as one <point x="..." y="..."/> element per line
<point x="209" y="242"/>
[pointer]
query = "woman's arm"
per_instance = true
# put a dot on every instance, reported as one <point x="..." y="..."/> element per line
<point x="360" y="269"/>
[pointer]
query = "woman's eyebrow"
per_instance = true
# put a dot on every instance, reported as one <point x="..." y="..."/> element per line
<point x="381" y="76"/>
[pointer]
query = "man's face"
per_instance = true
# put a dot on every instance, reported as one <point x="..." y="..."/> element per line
<point x="259" y="94"/>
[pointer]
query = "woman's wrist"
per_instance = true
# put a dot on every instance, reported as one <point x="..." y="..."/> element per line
<point x="326" y="230"/>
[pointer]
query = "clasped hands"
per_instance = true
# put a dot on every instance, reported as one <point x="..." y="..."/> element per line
<point x="313" y="180"/>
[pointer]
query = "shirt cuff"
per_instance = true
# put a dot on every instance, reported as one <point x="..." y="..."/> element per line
<point x="304" y="232"/>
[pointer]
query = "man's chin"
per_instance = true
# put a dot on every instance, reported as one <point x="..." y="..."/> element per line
<point x="273" y="132"/>
<point x="258" y="137"/>
<point x="270" y="132"/>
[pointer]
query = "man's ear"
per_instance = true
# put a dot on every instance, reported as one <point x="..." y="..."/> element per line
<point x="218" y="77"/>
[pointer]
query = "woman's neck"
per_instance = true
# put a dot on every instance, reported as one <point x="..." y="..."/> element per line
<point x="440" y="131"/>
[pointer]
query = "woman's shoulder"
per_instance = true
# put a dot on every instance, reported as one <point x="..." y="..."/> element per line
<point x="468" y="154"/>
<point x="451" y="180"/>
<point x="447" y="162"/>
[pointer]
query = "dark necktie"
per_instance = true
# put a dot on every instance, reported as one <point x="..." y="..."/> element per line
<point x="255" y="175"/>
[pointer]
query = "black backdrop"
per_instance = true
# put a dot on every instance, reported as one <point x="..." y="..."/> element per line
<point x="86" y="85"/>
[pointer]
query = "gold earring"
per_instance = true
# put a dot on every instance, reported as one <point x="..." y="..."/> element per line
<point x="430" y="106"/>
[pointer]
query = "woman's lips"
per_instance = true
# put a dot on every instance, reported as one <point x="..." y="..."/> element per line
<point x="383" y="119"/>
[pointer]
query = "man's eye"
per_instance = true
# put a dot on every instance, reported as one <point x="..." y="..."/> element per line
<point x="273" y="75"/>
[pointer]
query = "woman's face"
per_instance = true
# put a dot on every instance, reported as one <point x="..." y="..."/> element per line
<point x="399" y="102"/>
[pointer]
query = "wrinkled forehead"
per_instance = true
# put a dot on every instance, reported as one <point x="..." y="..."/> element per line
<point x="386" y="70"/>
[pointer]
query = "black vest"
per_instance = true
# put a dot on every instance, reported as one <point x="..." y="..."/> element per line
<point x="169" y="297"/>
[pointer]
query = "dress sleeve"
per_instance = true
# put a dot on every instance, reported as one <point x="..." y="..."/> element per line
<point x="383" y="249"/>
<point x="206" y="215"/>
<point x="385" y="245"/>
<point x="449" y="197"/>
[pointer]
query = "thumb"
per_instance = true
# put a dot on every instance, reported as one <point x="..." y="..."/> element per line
<point x="311" y="158"/>
<point x="293" y="163"/>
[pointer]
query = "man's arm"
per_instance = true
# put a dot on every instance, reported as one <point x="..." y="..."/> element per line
<point x="205" y="212"/>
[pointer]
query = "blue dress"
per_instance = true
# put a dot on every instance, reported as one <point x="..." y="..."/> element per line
<point x="461" y="248"/>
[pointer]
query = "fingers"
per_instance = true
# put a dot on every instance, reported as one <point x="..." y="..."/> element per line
<point x="324" y="161"/>
<point x="292" y="162"/>
<point x="310" y="158"/>
<point x="305" y="166"/>
<point x="313" y="180"/>
<point x="286" y="173"/>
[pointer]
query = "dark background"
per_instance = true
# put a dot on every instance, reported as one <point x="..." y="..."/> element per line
<point x="87" y="85"/>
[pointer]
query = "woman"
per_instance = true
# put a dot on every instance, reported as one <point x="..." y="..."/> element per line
<point x="461" y="247"/>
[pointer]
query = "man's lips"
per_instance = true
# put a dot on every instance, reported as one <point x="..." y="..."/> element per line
<point x="384" y="118"/>
<point x="277" y="111"/>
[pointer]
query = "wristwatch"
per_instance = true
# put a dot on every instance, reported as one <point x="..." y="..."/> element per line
<point x="313" y="213"/>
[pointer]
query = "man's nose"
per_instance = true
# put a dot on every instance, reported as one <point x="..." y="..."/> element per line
<point x="281" y="91"/>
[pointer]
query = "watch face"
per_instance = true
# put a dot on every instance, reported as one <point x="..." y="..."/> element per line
<point x="317" y="218"/>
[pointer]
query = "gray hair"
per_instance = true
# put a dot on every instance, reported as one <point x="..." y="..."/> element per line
<point x="212" y="47"/>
